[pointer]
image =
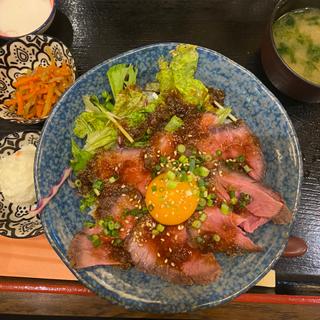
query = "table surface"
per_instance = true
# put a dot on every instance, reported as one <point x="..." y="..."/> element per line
<point x="96" y="30"/>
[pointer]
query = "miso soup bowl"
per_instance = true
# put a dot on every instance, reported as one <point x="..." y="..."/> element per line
<point x="280" y="75"/>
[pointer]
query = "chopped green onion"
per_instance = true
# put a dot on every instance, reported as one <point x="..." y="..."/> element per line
<point x="154" y="188"/>
<point x="171" y="184"/>
<point x="183" y="159"/>
<point x="88" y="224"/>
<point x="201" y="183"/>
<point x="241" y="158"/>
<point x="203" y="172"/>
<point x="101" y="223"/>
<point x="183" y="176"/>
<point x="98" y="184"/>
<point x="117" y="225"/>
<point x="209" y="202"/>
<point x="196" y="224"/>
<point x="246" y="168"/>
<point x="95" y="240"/>
<point x="189" y="177"/>
<point x="216" y="237"/>
<point x="174" y="124"/>
<point x="224" y="208"/>
<point x="202" y="202"/>
<point x="233" y="200"/>
<point x="78" y="183"/>
<point x="203" y="217"/>
<point x="155" y="232"/>
<point x="117" y="242"/>
<point x="112" y="179"/>
<point x="218" y="152"/>
<point x="232" y="193"/>
<point x="97" y="192"/>
<point x="150" y="207"/>
<point x="192" y="164"/>
<point x="163" y="160"/>
<point x="171" y="175"/>
<point x="113" y="233"/>
<point x="158" y="167"/>
<point x="199" y="239"/>
<point x="160" y="227"/>
<point x="181" y="148"/>
<point x="208" y="157"/>
<point x="212" y="196"/>
<point x="110" y="225"/>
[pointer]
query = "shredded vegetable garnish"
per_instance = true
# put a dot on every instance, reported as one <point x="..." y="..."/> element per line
<point x="229" y="115"/>
<point x="54" y="190"/>
<point x="38" y="91"/>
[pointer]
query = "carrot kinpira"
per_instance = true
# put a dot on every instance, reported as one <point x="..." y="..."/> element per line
<point x="20" y="103"/>
<point x="37" y="91"/>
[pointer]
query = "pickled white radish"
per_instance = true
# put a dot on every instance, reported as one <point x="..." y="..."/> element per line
<point x="20" y="17"/>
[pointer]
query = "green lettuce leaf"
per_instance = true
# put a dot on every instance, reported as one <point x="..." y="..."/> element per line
<point x="120" y="76"/>
<point x="80" y="157"/>
<point x="174" y="124"/>
<point x="133" y="105"/>
<point x="179" y="75"/>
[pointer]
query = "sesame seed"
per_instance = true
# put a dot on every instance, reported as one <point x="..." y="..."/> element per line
<point x="123" y="186"/>
<point x="168" y="234"/>
<point x="140" y="244"/>
<point x="140" y="233"/>
<point x="170" y="250"/>
<point x="176" y="237"/>
<point x="172" y="264"/>
<point x="153" y="236"/>
<point x="180" y="227"/>
<point x="122" y="229"/>
<point x="145" y="155"/>
<point x="158" y="254"/>
<point x="123" y="194"/>
<point x="166" y="261"/>
<point x="162" y="239"/>
<point x="189" y="135"/>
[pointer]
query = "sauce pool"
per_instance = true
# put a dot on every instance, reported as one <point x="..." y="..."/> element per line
<point x="297" y="39"/>
<point x="20" y="17"/>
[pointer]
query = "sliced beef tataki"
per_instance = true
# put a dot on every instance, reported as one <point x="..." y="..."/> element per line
<point x="265" y="203"/>
<point x="83" y="254"/>
<point x="168" y="255"/>
<point x="233" y="140"/>
<point x="220" y="233"/>
<point x="127" y="164"/>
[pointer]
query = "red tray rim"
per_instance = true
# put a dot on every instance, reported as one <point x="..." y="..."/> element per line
<point x="26" y="285"/>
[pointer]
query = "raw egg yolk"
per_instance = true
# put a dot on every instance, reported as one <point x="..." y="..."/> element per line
<point x="171" y="202"/>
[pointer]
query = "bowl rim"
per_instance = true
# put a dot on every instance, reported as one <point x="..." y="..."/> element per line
<point x="37" y="31"/>
<point x="161" y="309"/>
<point x="271" y="21"/>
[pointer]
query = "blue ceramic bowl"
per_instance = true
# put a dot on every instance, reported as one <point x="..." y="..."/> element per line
<point x="136" y="290"/>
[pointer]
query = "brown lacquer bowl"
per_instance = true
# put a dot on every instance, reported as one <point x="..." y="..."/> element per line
<point x="281" y="76"/>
